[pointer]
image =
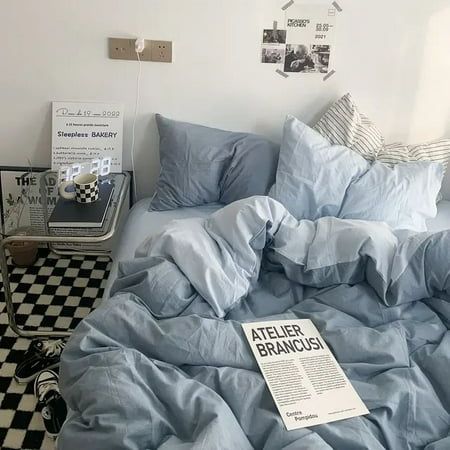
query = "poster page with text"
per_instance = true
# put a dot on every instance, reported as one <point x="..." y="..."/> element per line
<point x="306" y="382"/>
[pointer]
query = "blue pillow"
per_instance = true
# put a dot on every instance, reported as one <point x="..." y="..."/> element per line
<point x="202" y="165"/>
<point x="403" y="196"/>
<point x="316" y="179"/>
<point x="312" y="175"/>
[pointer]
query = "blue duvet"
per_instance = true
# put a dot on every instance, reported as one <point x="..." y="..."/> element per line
<point x="164" y="364"/>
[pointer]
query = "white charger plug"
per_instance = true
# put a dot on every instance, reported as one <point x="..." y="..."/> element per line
<point x="139" y="45"/>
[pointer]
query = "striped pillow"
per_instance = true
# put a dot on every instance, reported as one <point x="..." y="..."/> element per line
<point x="344" y="124"/>
<point x="436" y="151"/>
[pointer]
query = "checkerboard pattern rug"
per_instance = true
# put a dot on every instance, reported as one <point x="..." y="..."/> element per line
<point x="56" y="292"/>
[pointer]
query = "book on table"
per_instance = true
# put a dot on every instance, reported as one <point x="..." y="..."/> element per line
<point x="71" y="214"/>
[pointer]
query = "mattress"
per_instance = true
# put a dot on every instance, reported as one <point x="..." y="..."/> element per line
<point x="142" y="223"/>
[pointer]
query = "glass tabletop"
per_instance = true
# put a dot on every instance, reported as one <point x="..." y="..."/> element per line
<point x="31" y="210"/>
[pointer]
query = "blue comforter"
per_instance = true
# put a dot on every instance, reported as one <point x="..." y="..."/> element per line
<point x="164" y="363"/>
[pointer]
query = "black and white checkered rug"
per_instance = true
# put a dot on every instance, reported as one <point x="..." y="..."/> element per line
<point x="56" y="292"/>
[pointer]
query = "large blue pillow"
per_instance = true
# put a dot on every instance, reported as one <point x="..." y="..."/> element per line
<point x="403" y="196"/>
<point x="202" y="165"/>
<point x="316" y="179"/>
<point x="313" y="175"/>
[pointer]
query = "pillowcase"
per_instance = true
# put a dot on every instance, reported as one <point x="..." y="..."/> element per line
<point x="316" y="179"/>
<point x="344" y="124"/>
<point x="312" y="175"/>
<point x="436" y="151"/>
<point x="202" y="165"/>
<point x="403" y="196"/>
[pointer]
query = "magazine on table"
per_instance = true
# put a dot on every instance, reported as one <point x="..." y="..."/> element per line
<point x="21" y="198"/>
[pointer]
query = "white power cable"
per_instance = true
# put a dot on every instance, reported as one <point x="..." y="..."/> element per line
<point x="136" y="110"/>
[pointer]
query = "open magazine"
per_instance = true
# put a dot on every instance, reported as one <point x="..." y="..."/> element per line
<point x="306" y="382"/>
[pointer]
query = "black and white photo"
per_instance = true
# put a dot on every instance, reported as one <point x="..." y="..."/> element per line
<point x="307" y="59"/>
<point x="272" y="54"/>
<point x="298" y="59"/>
<point x="274" y="37"/>
<point x="321" y="57"/>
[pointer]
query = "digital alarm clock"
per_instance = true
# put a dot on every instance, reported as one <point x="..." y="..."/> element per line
<point x="100" y="167"/>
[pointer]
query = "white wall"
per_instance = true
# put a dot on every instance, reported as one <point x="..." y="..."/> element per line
<point x="392" y="55"/>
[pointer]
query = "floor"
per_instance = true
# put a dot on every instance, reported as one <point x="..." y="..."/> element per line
<point x="55" y="292"/>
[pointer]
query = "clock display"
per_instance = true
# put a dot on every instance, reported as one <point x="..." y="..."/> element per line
<point x="100" y="167"/>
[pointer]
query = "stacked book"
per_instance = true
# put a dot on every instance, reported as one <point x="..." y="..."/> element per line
<point x="72" y="219"/>
<point x="71" y="214"/>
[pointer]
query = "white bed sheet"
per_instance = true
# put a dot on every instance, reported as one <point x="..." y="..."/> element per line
<point x="142" y="223"/>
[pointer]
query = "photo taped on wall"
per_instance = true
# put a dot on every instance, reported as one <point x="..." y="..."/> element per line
<point x="301" y="58"/>
<point x="272" y="54"/>
<point x="274" y="36"/>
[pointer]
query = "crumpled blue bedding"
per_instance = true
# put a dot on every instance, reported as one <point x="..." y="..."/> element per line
<point x="164" y="362"/>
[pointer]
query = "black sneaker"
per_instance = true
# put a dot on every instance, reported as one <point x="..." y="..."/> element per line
<point x="41" y="355"/>
<point x="54" y="409"/>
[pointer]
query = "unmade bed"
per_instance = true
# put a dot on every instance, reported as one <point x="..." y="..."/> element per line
<point x="158" y="353"/>
<point x="240" y="230"/>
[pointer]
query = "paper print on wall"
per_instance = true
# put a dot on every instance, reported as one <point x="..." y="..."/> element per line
<point x="310" y="33"/>
<point x="305" y="45"/>
<point x="273" y="54"/>
<point x="274" y="37"/>
<point x="274" y="46"/>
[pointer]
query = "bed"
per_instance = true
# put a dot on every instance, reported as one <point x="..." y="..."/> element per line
<point x="333" y="237"/>
<point x="192" y="395"/>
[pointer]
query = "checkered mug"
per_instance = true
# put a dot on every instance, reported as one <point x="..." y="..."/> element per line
<point x="86" y="188"/>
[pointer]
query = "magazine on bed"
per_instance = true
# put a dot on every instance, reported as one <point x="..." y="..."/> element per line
<point x="305" y="380"/>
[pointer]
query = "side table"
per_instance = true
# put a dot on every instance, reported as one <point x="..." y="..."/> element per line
<point x="48" y="237"/>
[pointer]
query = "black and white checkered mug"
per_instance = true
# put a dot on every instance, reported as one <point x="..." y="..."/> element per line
<point x="86" y="188"/>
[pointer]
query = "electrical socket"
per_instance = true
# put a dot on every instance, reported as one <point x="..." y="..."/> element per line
<point x="157" y="51"/>
<point x="161" y="51"/>
<point x="119" y="48"/>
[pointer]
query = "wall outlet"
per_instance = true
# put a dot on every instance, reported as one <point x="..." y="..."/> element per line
<point x="124" y="49"/>
<point x="161" y="51"/>
<point x="157" y="51"/>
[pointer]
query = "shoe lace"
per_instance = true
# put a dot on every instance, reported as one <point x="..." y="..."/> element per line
<point x="45" y="387"/>
<point x="53" y="348"/>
